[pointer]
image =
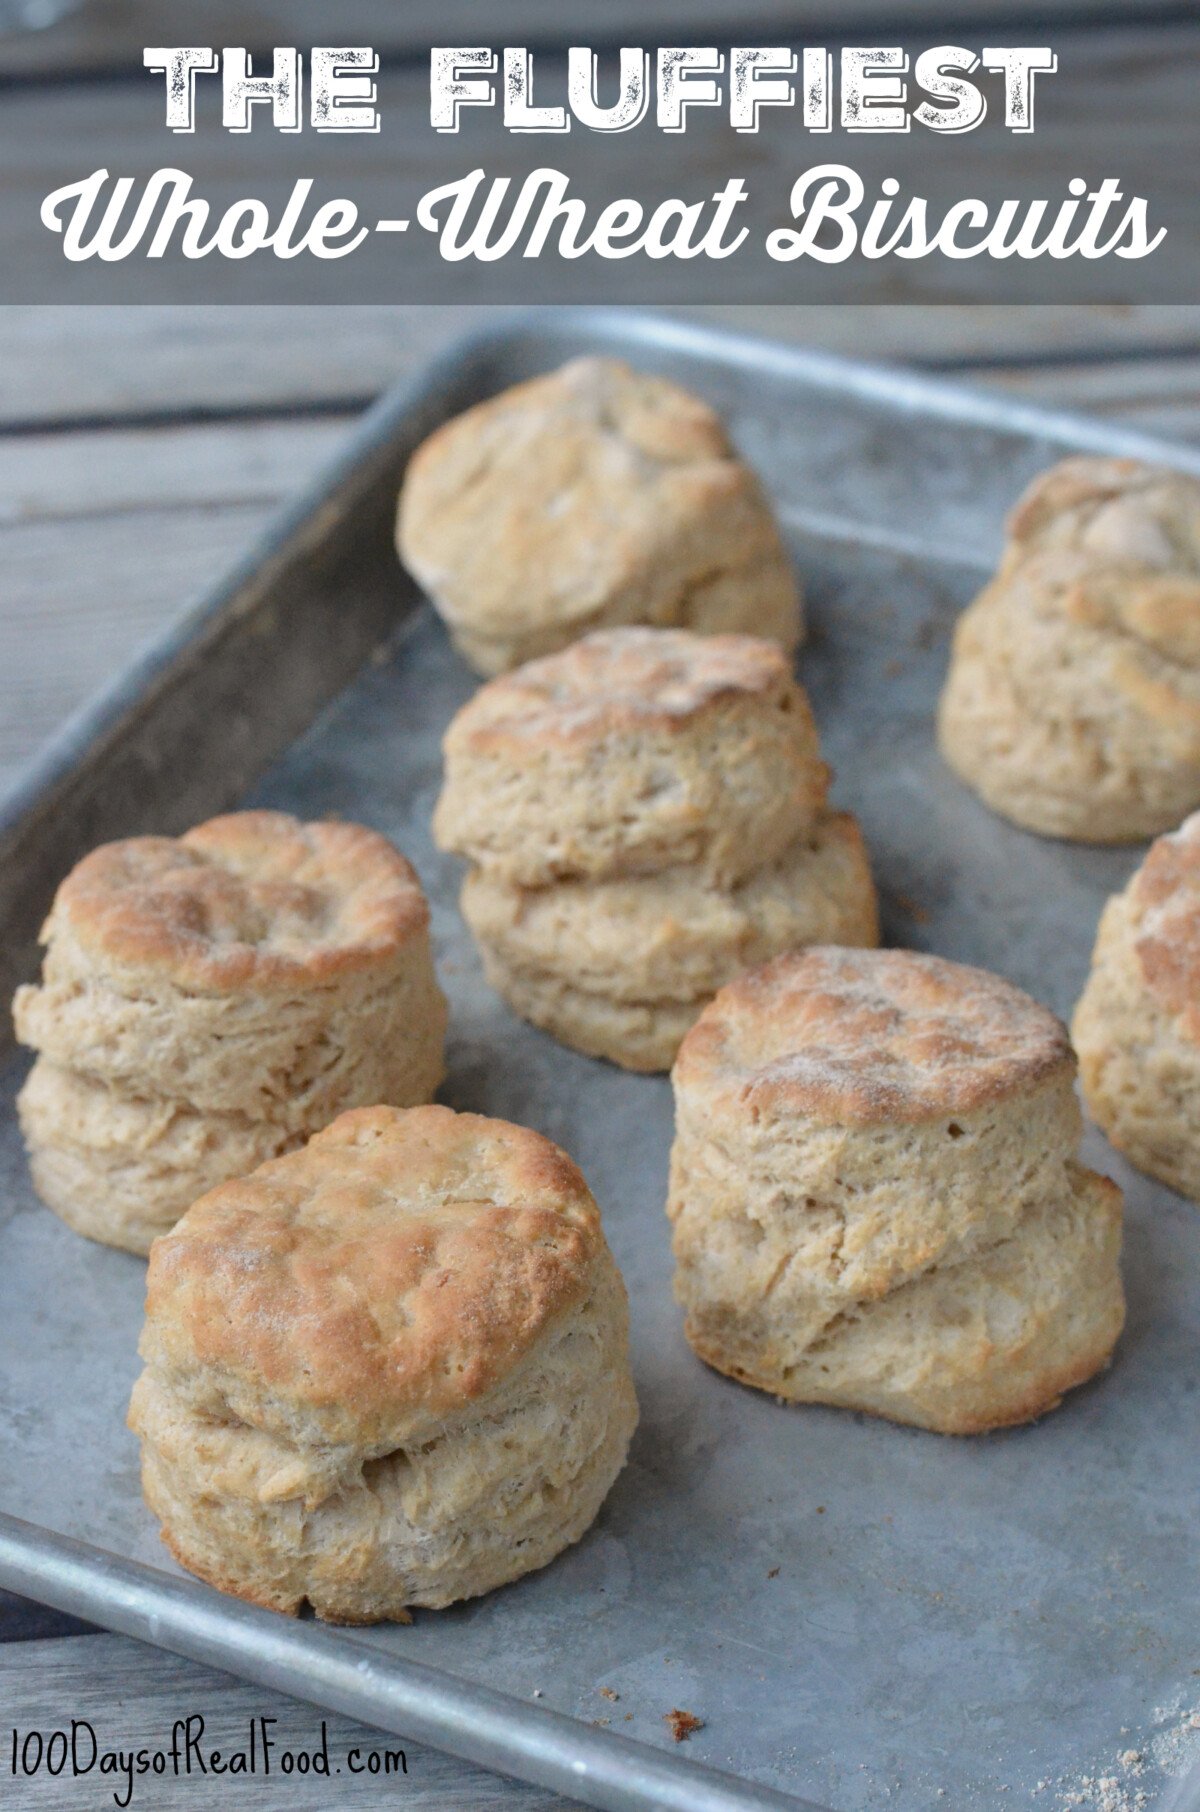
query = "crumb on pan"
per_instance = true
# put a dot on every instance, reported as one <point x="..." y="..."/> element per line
<point x="682" y="1724"/>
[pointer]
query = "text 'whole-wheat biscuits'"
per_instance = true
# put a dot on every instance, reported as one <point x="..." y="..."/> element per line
<point x="1137" y="1025"/>
<point x="876" y="1196"/>
<point x="209" y="1001"/>
<point x="592" y="496"/>
<point x="645" y="814"/>
<point x="388" y="1370"/>
<point x="1072" y="704"/>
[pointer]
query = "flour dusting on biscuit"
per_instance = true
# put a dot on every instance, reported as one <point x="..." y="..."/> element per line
<point x="389" y="1370"/>
<point x="876" y="1196"/>
<point x="209" y="1001"/>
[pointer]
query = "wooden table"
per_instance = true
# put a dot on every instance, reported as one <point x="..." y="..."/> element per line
<point x="139" y="449"/>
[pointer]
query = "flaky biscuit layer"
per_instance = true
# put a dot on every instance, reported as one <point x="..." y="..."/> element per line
<point x="633" y="750"/>
<point x="622" y="969"/>
<point x="875" y="1193"/>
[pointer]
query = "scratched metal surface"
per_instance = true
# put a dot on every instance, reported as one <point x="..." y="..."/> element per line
<point x="862" y="1614"/>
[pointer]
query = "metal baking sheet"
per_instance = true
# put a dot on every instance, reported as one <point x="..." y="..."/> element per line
<point x="863" y="1616"/>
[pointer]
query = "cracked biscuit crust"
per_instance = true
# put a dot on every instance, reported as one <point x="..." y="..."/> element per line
<point x="633" y="750"/>
<point x="1119" y="512"/>
<point x="872" y="1036"/>
<point x="253" y="900"/>
<point x="1166" y="900"/>
<point x="593" y="495"/>
<point x="388" y="1370"/>
<point x="384" y="1276"/>
<point x="873" y="1169"/>
<point x="255" y="966"/>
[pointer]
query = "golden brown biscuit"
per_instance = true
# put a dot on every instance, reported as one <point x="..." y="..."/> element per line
<point x="876" y="1197"/>
<point x="1073" y="699"/>
<point x="646" y="813"/>
<point x="1120" y="513"/>
<point x="1137" y="1025"/>
<point x="253" y="900"/>
<point x="632" y="750"/>
<point x="254" y="969"/>
<point x="589" y="497"/>
<point x="387" y="1370"/>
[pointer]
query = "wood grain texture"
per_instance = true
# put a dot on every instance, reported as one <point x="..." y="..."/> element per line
<point x="108" y="534"/>
<point x="105" y="34"/>
<point x="83" y="596"/>
<point x="145" y="471"/>
<point x="106" y="539"/>
<point x="71" y="365"/>
<point x="132" y="1694"/>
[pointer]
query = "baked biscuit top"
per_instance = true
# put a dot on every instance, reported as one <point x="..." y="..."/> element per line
<point x="1125" y="538"/>
<point x="556" y="494"/>
<point x="627" y="680"/>
<point x="1165" y="901"/>
<point x="863" y="1037"/>
<point x="1112" y="509"/>
<point x="380" y="1280"/>
<point x="253" y="900"/>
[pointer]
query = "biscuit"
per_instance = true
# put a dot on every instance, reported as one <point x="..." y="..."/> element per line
<point x="876" y="1197"/>
<point x="1121" y="513"/>
<point x="620" y="969"/>
<point x="387" y="1370"/>
<point x="589" y="497"/>
<point x="1072" y="704"/>
<point x="633" y="750"/>
<point x="122" y="1169"/>
<point x="230" y="990"/>
<point x="646" y="814"/>
<point x="1137" y="1024"/>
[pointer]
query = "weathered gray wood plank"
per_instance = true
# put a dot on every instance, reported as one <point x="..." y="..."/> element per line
<point x="132" y="1694"/>
<point x="82" y="597"/>
<point x="108" y="36"/>
<point x="143" y="471"/>
<point x="66" y="364"/>
<point x="107" y="536"/>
